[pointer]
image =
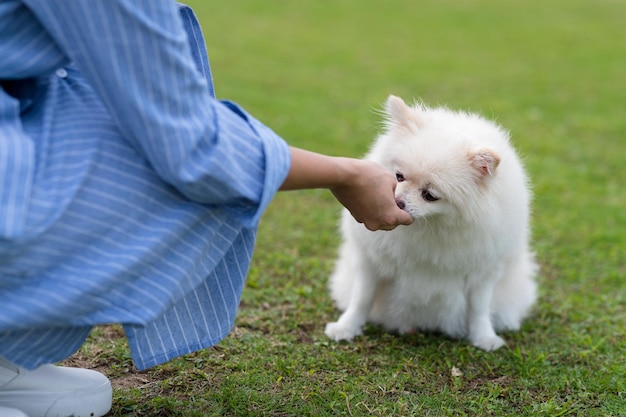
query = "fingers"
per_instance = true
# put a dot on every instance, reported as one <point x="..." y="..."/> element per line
<point x="404" y="218"/>
<point x="386" y="218"/>
<point x="370" y="198"/>
<point x="397" y="218"/>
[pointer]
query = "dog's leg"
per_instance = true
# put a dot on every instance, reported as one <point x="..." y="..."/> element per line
<point x="350" y="323"/>
<point x="480" y="328"/>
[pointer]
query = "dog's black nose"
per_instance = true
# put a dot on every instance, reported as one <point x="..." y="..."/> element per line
<point x="400" y="203"/>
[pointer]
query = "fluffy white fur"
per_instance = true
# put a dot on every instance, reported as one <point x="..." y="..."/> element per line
<point x="464" y="266"/>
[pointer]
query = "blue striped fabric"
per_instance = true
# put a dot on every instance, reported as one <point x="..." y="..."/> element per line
<point x="128" y="194"/>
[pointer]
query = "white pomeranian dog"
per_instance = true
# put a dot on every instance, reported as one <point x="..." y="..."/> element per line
<point x="464" y="267"/>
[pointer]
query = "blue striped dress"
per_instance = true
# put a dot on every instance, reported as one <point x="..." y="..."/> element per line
<point x="128" y="193"/>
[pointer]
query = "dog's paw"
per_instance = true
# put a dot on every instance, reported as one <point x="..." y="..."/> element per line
<point x="489" y="344"/>
<point x="407" y="330"/>
<point x="337" y="332"/>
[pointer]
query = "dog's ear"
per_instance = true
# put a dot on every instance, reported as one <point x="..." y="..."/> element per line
<point x="399" y="114"/>
<point x="397" y="110"/>
<point x="485" y="162"/>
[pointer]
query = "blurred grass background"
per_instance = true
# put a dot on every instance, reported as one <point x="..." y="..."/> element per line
<point x="553" y="73"/>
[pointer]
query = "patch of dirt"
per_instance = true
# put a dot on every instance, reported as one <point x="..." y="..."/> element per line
<point x="133" y="380"/>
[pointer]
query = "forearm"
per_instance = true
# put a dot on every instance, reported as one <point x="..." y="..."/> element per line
<point x="313" y="170"/>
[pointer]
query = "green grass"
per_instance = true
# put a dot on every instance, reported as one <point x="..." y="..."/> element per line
<point x="553" y="73"/>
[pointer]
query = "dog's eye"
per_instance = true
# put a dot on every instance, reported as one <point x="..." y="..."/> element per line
<point x="428" y="196"/>
<point x="399" y="177"/>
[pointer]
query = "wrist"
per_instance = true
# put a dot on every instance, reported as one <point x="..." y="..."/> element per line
<point x="344" y="172"/>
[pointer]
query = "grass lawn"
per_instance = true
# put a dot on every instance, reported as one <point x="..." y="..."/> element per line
<point x="553" y="73"/>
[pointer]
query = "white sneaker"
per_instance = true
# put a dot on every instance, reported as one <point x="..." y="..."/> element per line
<point x="11" y="412"/>
<point x="54" y="391"/>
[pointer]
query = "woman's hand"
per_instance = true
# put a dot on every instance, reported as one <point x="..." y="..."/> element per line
<point x="369" y="196"/>
<point x="365" y="188"/>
